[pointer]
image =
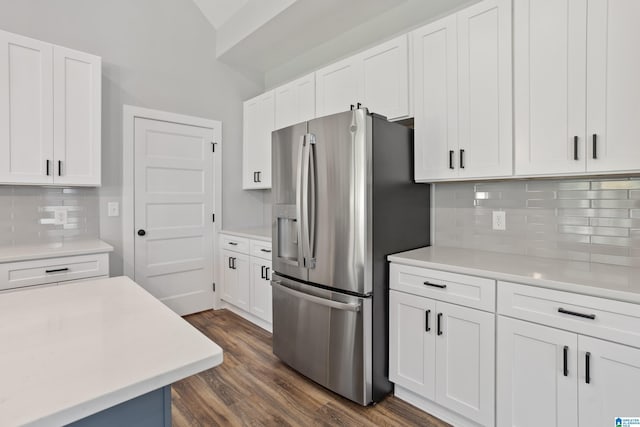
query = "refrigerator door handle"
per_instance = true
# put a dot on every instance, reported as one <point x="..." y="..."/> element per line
<point x="310" y="203"/>
<point x="299" y="207"/>
<point x="318" y="300"/>
<point x="306" y="203"/>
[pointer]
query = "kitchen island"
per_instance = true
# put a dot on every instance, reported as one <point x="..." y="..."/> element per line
<point x="102" y="352"/>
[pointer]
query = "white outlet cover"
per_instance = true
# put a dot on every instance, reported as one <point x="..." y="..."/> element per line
<point x="60" y="216"/>
<point x="499" y="220"/>
<point x="113" y="209"/>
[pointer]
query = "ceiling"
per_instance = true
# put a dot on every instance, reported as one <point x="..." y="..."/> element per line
<point x="258" y="35"/>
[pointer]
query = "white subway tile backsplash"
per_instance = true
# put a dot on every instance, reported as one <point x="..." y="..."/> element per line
<point x="26" y="214"/>
<point x="594" y="220"/>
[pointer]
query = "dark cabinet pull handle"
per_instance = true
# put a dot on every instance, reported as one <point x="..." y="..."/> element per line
<point x="234" y="263"/>
<point x="233" y="243"/>
<point x="141" y="232"/>
<point x="595" y="146"/>
<point x="450" y="159"/>
<point x="48" y="161"/>
<point x="59" y="167"/>
<point x="575" y="313"/>
<point x="427" y="315"/>
<point x="230" y="265"/>
<point x="575" y="147"/>
<point x="352" y="107"/>
<point x="439" y="323"/>
<point x="266" y="250"/>
<point x="435" y="285"/>
<point x="57" y="270"/>
<point x="266" y="273"/>
<point x="587" y="368"/>
<point x="262" y="272"/>
<point x="565" y="368"/>
<point x="461" y="159"/>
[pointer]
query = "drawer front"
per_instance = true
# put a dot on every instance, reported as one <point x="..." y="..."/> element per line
<point x="52" y="270"/>
<point x="598" y="317"/>
<point x="233" y="243"/>
<point x="470" y="291"/>
<point x="261" y="249"/>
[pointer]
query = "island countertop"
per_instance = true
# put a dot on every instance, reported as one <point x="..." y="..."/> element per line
<point x="73" y="350"/>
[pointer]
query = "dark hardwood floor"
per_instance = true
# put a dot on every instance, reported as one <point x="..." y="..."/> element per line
<point x="253" y="387"/>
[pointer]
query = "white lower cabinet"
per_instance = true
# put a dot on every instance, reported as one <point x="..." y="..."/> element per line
<point x="246" y="278"/>
<point x="443" y="353"/>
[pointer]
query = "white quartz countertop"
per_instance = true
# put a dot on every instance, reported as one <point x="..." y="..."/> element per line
<point x="72" y="350"/>
<point x="600" y="280"/>
<point x="257" y="233"/>
<point x="53" y="250"/>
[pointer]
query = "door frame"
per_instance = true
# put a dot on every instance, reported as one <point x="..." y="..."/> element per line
<point x="129" y="115"/>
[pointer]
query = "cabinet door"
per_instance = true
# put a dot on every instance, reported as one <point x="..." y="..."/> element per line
<point x="614" y="372"/>
<point x="465" y="361"/>
<point x="229" y="277"/>
<point x="77" y="117"/>
<point x="256" y="149"/>
<point x="261" y="288"/>
<point x="549" y="86"/>
<point x="613" y="87"/>
<point x="26" y="110"/>
<point x="295" y="102"/>
<point x="484" y="84"/>
<point x="337" y="86"/>
<point x="412" y="332"/>
<point x="436" y="100"/>
<point x="384" y="85"/>
<point x="532" y="388"/>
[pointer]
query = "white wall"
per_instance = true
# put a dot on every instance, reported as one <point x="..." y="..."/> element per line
<point x="409" y="15"/>
<point x="157" y="54"/>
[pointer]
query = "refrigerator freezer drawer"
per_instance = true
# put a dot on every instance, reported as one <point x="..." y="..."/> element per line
<point x="323" y="335"/>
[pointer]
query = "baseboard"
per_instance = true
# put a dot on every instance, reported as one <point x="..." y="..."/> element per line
<point x="246" y="315"/>
<point x="433" y="408"/>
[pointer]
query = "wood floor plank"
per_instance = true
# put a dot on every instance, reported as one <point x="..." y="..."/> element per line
<point x="253" y="387"/>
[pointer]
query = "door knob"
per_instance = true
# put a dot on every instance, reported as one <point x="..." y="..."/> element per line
<point x="141" y="232"/>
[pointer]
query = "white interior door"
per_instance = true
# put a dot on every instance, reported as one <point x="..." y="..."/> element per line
<point x="173" y="193"/>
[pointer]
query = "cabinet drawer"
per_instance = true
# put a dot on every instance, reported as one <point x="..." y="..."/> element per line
<point x="598" y="317"/>
<point x="261" y="249"/>
<point x="52" y="270"/>
<point x="470" y="291"/>
<point x="233" y="243"/>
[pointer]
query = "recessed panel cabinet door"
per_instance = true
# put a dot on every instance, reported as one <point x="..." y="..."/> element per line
<point x="484" y="84"/>
<point x="613" y="86"/>
<point x="261" y="288"/>
<point x="532" y="388"/>
<point x="258" y="123"/>
<point x="77" y="117"/>
<point x="549" y="86"/>
<point x="237" y="279"/>
<point x="436" y="100"/>
<point x="412" y="332"/>
<point x="26" y="110"/>
<point x="337" y="86"/>
<point x="384" y="86"/>
<point x="465" y="377"/>
<point x="295" y="102"/>
<point x="613" y="376"/>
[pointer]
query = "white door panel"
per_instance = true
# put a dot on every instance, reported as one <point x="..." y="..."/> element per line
<point x="261" y="289"/>
<point x="174" y="205"/>
<point x="26" y="110"/>
<point x="337" y="86"/>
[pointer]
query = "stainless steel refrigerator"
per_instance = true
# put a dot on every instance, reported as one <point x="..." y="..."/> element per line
<point x="343" y="199"/>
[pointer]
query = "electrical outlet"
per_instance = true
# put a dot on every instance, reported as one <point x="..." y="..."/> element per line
<point x="113" y="209"/>
<point x="499" y="220"/>
<point x="60" y="216"/>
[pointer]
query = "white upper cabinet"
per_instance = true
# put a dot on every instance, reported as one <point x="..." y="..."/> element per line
<point x="463" y="96"/>
<point x="50" y="114"/>
<point x="613" y="86"/>
<point x="561" y="48"/>
<point x="377" y="78"/>
<point x="549" y="80"/>
<point x="295" y="102"/>
<point x="384" y="83"/>
<point x="77" y="117"/>
<point x="337" y="86"/>
<point x="258" y="123"/>
<point x="26" y="110"/>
